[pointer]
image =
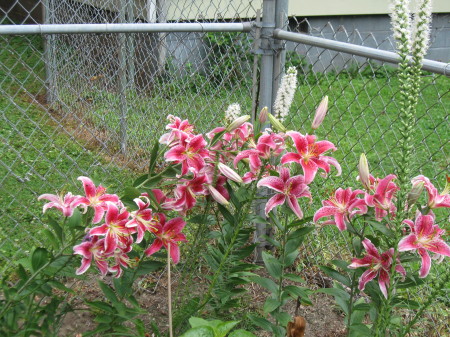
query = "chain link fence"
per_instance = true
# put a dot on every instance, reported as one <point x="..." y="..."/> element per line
<point x="92" y="104"/>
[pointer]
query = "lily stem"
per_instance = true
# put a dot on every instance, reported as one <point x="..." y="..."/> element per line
<point x="169" y="291"/>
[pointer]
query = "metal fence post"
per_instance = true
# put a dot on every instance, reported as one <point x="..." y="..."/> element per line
<point x="122" y="55"/>
<point x="279" y="60"/>
<point x="265" y="100"/>
<point x="130" y="45"/>
<point x="49" y="53"/>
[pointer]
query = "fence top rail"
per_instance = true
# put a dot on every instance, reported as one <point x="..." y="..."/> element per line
<point x="373" y="53"/>
<point x="124" y="28"/>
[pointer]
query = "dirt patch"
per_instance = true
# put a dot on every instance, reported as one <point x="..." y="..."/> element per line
<point x="323" y="319"/>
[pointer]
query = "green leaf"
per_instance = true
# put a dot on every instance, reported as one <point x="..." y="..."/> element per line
<point x="223" y="328"/>
<point x="265" y="283"/>
<point x="75" y="219"/>
<point x="39" y="258"/>
<point x="140" y="180"/>
<point x="261" y="322"/>
<point x="200" y="331"/>
<point x="103" y="318"/>
<point x="357" y="246"/>
<point x="226" y="214"/>
<point x="197" y="321"/>
<point x="283" y="317"/>
<point x="217" y="136"/>
<point x="344" y="279"/>
<point x="359" y="330"/>
<point x="410" y="281"/>
<point x="56" y="228"/>
<point x="272" y="264"/>
<point x="60" y="286"/>
<point x="334" y="292"/>
<point x="270" y="305"/>
<point x="294" y="277"/>
<point x="130" y="193"/>
<point x="148" y="267"/>
<point x="108" y="292"/>
<point x="99" y="305"/>
<point x="51" y="238"/>
<point x="290" y="258"/>
<point x="296" y="292"/>
<point x="381" y="228"/>
<point x="399" y="302"/>
<point x="153" y="157"/>
<point x="340" y="264"/>
<point x="241" y="333"/>
<point x="301" y="222"/>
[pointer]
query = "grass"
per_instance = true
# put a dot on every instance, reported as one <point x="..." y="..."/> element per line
<point x="36" y="156"/>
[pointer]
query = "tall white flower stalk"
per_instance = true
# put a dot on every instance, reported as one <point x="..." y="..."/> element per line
<point x="285" y="94"/>
<point x="411" y="31"/>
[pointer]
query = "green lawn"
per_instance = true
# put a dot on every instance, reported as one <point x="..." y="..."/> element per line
<point x="36" y="156"/>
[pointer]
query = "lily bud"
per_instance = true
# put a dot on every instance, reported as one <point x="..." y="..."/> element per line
<point x="415" y="193"/>
<point x="217" y="196"/>
<point x="320" y="113"/>
<point x="263" y="115"/>
<point x="230" y="173"/>
<point x="276" y="123"/>
<point x="237" y="123"/>
<point x="363" y="169"/>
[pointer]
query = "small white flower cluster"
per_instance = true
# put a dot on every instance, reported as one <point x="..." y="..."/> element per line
<point x="421" y="29"/>
<point x="412" y="36"/>
<point x="401" y="23"/>
<point x="233" y="111"/>
<point x="285" y="94"/>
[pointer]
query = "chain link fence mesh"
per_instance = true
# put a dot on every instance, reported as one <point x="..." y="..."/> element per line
<point x="92" y="104"/>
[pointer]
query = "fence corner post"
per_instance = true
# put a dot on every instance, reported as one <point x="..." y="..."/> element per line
<point x="265" y="100"/>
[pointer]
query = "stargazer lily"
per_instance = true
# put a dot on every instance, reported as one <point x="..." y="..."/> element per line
<point x="378" y="264"/>
<point x="342" y="207"/>
<point x="435" y="200"/>
<point x="383" y="197"/>
<point x="168" y="234"/>
<point x="310" y="155"/>
<point x="288" y="188"/>
<point x="66" y="204"/>
<point x="425" y="236"/>
<point x="96" y="198"/>
<point x="92" y="248"/>
<point x="190" y="153"/>
<point x="141" y="219"/>
<point x="114" y="228"/>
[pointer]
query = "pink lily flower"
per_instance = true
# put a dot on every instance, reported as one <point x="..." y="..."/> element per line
<point x="180" y="131"/>
<point x="168" y="234"/>
<point x="288" y="188"/>
<point x="191" y="154"/>
<point x="185" y="194"/>
<point x="114" y="228"/>
<point x="435" y="200"/>
<point x="66" y="204"/>
<point x="141" y="219"/>
<point x="343" y="206"/>
<point x="96" y="198"/>
<point x="309" y="155"/>
<point x="269" y="144"/>
<point x="383" y="197"/>
<point x="121" y="260"/>
<point x="425" y="236"/>
<point x="378" y="265"/>
<point x="92" y="248"/>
